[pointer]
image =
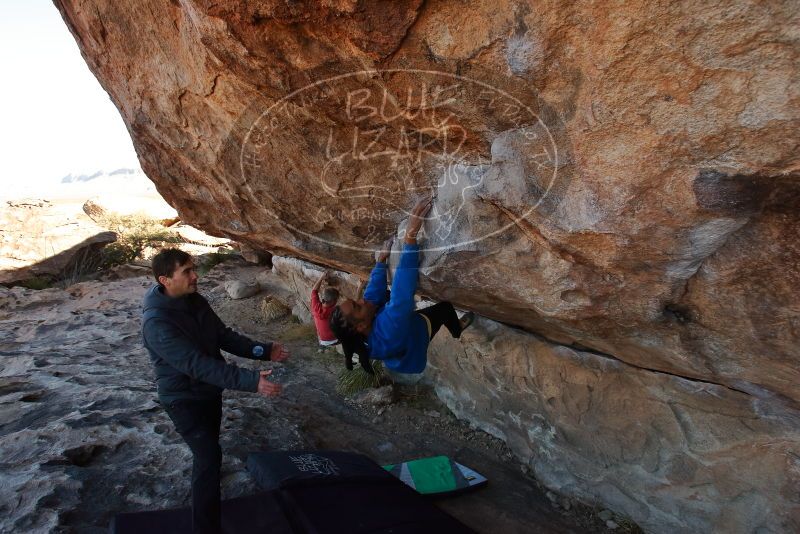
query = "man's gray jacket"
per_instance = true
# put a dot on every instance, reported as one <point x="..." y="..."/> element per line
<point x="184" y="337"/>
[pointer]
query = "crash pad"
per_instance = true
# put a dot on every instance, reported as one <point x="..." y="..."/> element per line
<point x="437" y="475"/>
<point x="253" y="514"/>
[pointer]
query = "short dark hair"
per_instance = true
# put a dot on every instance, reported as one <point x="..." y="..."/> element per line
<point x="331" y="294"/>
<point x="352" y="342"/>
<point x="165" y="262"/>
<point x="343" y="329"/>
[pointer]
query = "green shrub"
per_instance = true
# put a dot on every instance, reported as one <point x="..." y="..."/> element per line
<point x="351" y="382"/>
<point x="134" y="234"/>
<point x="208" y="261"/>
<point x="37" y="282"/>
<point x="87" y="262"/>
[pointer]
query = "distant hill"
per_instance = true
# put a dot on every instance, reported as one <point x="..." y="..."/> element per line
<point x="72" y="178"/>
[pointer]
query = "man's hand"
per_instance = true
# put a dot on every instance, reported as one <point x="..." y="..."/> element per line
<point x="383" y="254"/>
<point x="267" y="388"/>
<point x="279" y="353"/>
<point x="416" y="219"/>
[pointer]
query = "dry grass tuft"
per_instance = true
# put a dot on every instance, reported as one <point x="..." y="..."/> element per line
<point x="349" y="383"/>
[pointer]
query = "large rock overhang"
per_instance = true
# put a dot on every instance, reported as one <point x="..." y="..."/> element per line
<point x="619" y="180"/>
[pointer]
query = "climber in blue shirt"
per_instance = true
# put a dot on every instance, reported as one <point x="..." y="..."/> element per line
<point x="385" y="326"/>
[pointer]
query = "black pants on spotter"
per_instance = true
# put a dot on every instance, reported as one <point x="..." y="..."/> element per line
<point x="198" y="424"/>
<point x="440" y="314"/>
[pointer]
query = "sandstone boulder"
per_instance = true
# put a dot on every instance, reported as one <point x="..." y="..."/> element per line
<point x="675" y="454"/>
<point x="149" y="207"/>
<point x="252" y="255"/>
<point x="197" y="237"/>
<point x="240" y="289"/>
<point x="39" y="238"/>
<point x="621" y="181"/>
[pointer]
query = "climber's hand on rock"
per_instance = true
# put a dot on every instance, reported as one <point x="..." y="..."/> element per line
<point x="416" y="219"/>
<point x="386" y="249"/>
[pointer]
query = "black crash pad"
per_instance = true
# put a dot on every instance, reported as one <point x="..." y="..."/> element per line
<point x="253" y="514"/>
<point x="362" y="508"/>
<point x="282" y="469"/>
<point x="335" y="493"/>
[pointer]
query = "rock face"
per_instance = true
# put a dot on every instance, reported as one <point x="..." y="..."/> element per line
<point x="677" y="455"/>
<point x="238" y="289"/>
<point x="623" y="181"/>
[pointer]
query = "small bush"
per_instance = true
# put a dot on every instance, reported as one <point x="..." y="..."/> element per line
<point x="208" y="261"/>
<point x="627" y="526"/>
<point x="37" y="282"/>
<point x="134" y="235"/>
<point x="272" y="309"/>
<point x="350" y="382"/>
<point x="87" y="262"/>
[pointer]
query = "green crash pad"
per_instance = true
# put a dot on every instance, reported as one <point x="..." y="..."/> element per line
<point x="438" y="475"/>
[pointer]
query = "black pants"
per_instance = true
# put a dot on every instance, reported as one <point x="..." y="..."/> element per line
<point x="440" y="314"/>
<point x="198" y="424"/>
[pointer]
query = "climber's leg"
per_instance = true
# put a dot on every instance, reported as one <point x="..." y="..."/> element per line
<point x="443" y="313"/>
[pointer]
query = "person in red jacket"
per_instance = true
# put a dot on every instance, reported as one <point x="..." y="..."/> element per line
<point x="321" y="310"/>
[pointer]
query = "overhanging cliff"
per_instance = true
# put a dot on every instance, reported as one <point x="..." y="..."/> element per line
<point x="621" y="180"/>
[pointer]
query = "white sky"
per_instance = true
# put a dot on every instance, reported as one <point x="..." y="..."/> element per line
<point x="55" y="119"/>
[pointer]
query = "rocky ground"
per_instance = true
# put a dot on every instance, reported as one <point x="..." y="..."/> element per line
<point x="82" y="436"/>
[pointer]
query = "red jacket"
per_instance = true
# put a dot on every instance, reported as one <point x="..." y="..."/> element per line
<point x="321" y="316"/>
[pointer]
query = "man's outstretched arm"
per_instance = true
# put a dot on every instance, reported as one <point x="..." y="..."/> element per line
<point x="240" y="345"/>
<point x="170" y="344"/>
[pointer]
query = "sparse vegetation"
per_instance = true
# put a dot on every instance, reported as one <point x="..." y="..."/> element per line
<point x="89" y="261"/>
<point x="272" y="308"/>
<point x="351" y="382"/>
<point x="209" y="261"/>
<point x="627" y="526"/>
<point x="135" y="234"/>
<point x="37" y="282"/>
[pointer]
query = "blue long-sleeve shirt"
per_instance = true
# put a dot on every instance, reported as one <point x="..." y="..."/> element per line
<point x="399" y="335"/>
